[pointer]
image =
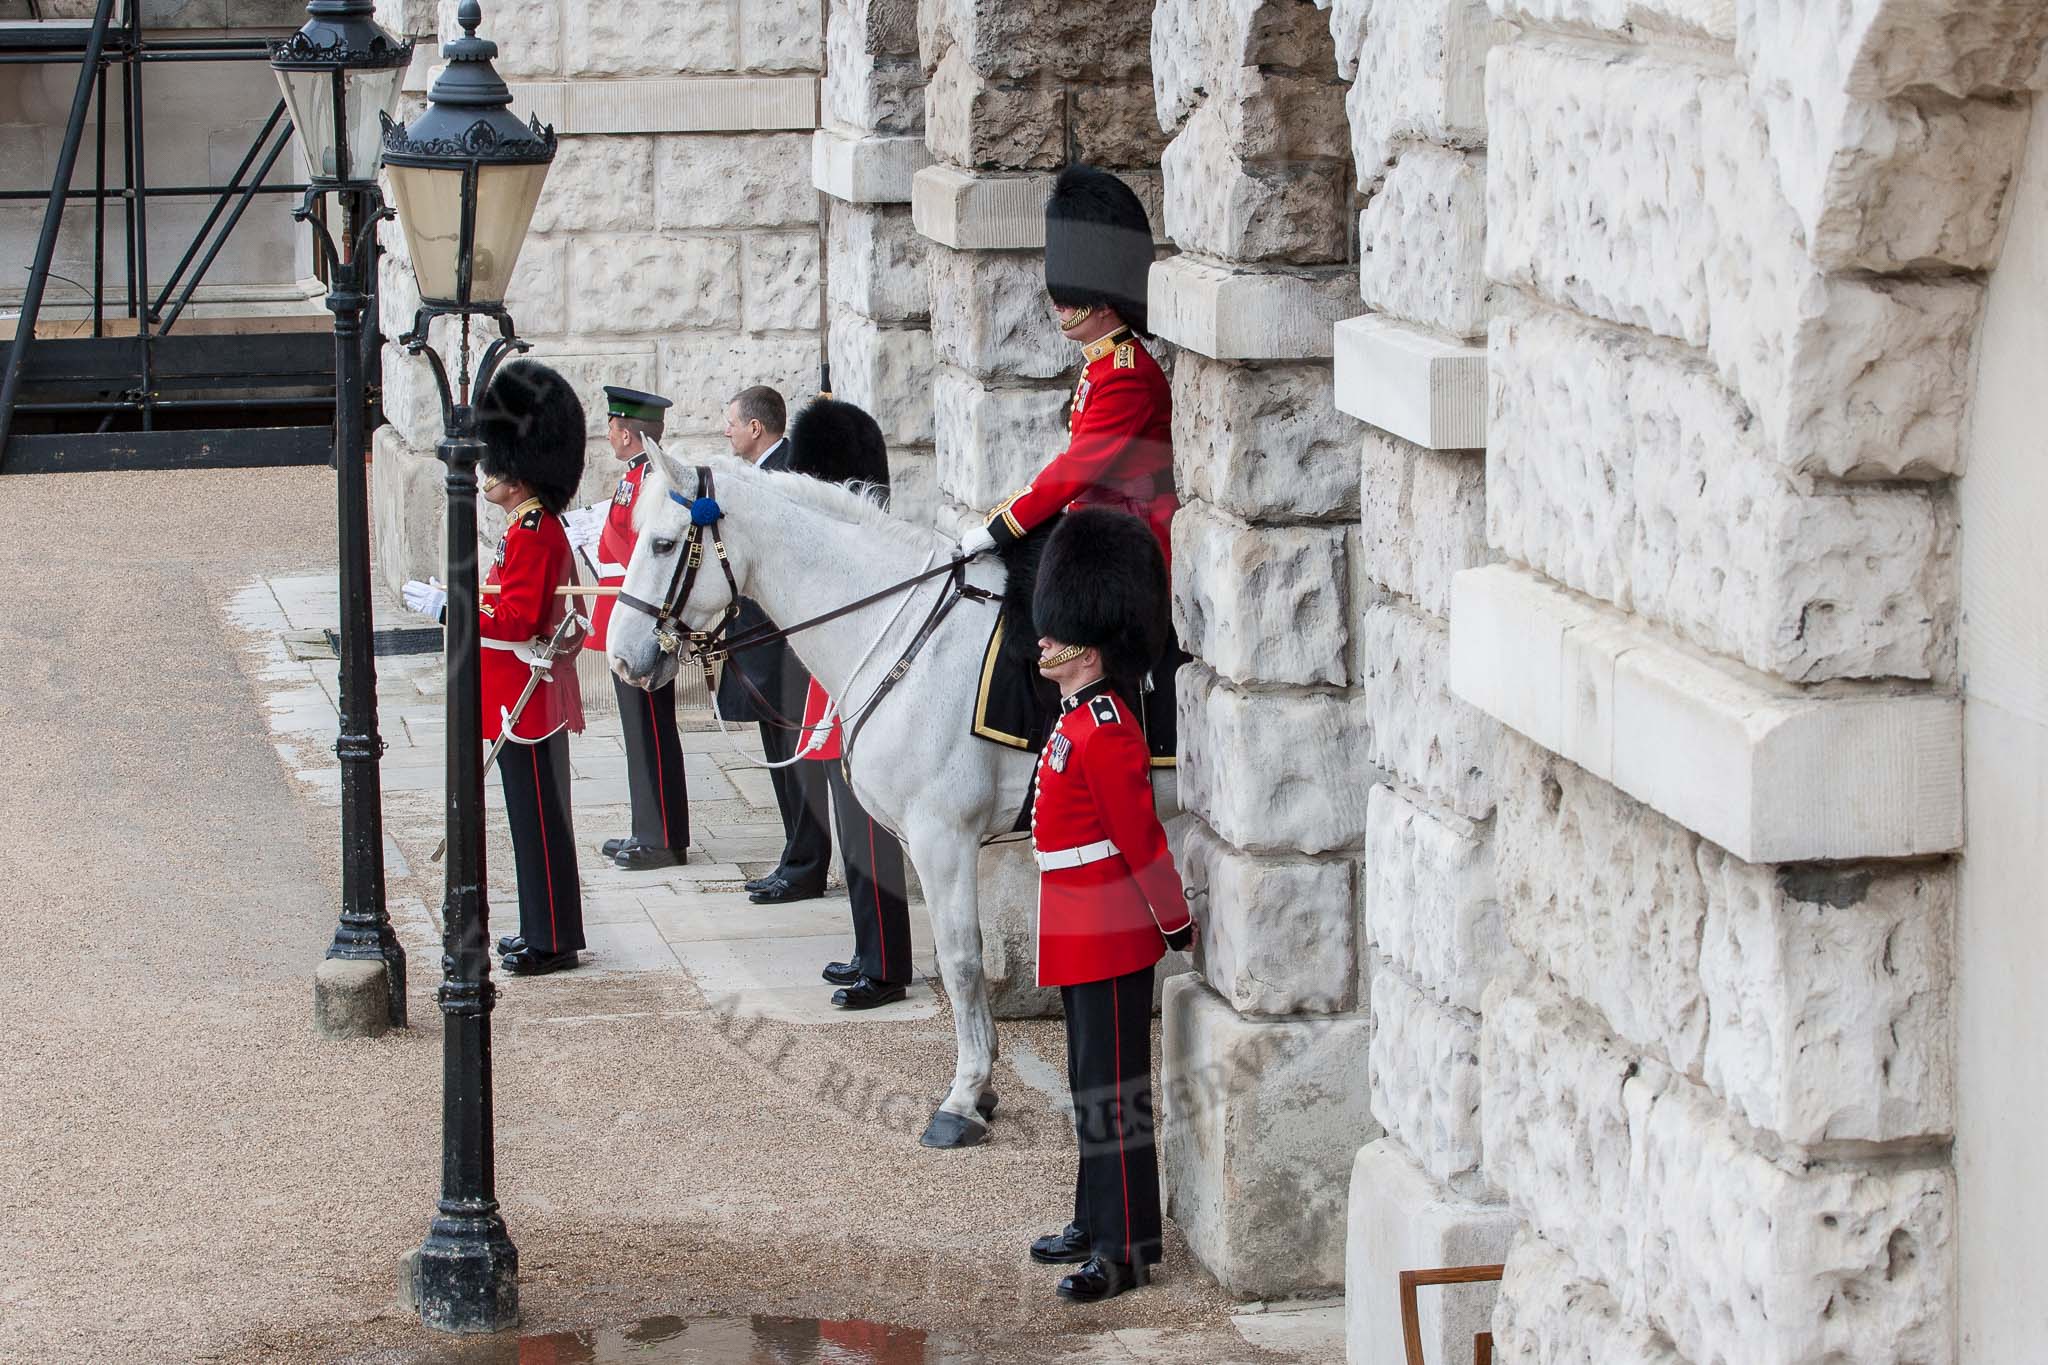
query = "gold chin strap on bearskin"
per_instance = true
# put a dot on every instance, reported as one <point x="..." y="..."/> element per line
<point x="1069" y="324"/>
<point x="1064" y="656"/>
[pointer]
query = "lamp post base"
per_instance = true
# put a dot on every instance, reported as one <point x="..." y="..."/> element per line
<point x="467" y="1276"/>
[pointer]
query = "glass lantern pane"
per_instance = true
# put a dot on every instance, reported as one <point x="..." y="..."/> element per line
<point x="368" y="95"/>
<point x="505" y="200"/>
<point x="309" y="99"/>
<point x="429" y="204"/>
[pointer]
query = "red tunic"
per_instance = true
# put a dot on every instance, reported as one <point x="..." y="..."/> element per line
<point x="615" y="549"/>
<point x="1108" y="916"/>
<point x="532" y="561"/>
<point x="1119" y="447"/>
<point x="815" y="740"/>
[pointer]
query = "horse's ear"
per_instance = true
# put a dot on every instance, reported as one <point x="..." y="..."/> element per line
<point x="677" y="474"/>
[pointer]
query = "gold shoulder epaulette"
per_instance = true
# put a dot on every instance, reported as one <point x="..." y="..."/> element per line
<point x="1127" y="356"/>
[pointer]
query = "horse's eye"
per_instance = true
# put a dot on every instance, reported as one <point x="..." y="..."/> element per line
<point x="664" y="547"/>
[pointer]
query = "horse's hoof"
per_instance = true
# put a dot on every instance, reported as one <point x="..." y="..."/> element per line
<point x="948" y="1130"/>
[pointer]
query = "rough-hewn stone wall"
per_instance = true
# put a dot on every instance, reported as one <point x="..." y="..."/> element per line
<point x="675" y="248"/>
<point x="1274" y="716"/>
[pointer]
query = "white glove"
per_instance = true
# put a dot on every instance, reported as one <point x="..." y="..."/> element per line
<point x="976" y="541"/>
<point x="584" y="525"/>
<point x="428" y="598"/>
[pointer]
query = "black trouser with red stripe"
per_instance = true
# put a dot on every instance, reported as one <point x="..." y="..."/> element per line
<point x="874" y="884"/>
<point x="654" y="766"/>
<point x="536" y="780"/>
<point x="1109" y="1070"/>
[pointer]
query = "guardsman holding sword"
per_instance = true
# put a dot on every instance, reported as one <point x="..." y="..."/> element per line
<point x="1109" y="900"/>
<point x="531" y="424"/>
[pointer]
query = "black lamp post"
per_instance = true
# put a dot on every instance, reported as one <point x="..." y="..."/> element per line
<point x="466" y="175"/>
<point x="340" y="76"/>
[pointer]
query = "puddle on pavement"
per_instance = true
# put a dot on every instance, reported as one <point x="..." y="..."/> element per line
<point x="716" y="1341"/>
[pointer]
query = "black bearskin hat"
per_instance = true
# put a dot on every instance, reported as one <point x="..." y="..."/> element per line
<point x="1103" y="583"/>
<point x="836" y="441"/>
<point x="531" y="423"/>
<point x="1098" y="244"/>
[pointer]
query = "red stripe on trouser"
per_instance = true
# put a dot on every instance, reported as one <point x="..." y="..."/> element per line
<point x="1116" y="1014"/>
<point x="881" y="934"/>
<point x="547" y="862"/>
<point x="660" y="787"/>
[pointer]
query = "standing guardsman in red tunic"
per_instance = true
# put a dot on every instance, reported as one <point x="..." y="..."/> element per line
<point x="1119" y="452"/>
<point x="654" y="751"/>
<point x="1109" y="900"/>
<point x="531" y="424"/>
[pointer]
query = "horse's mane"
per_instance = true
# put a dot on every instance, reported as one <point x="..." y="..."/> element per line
<point x="852" y="503"/>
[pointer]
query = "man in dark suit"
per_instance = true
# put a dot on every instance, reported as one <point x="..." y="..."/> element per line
<point x="754" y="422"/>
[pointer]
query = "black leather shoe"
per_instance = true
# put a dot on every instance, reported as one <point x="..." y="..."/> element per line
<point x="1069" y="1246"/>
<point x="757" y="883"/>
<point x="865" y="995"/>
<point x="1102" y="1279"/>
<point x="642" y="857"/>
<point x="842" y="973"/>
<point x="528" y="962"/>
<point x="777" y="891"/>
<point x="614" y="847"/>
<point x="511" y="943"/>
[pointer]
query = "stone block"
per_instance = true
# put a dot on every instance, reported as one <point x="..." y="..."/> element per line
<point x="990" y="442"/>
<point x="1424" y="518"/>
<point x="1258" y="1123"/>
<point x="1262" y="442"/>
<point x="1550" y="1313"/>
<point x="1425" y="1077"/>
<point x="653" y="284"/>
<point x="914" y="484"/>
<point x="412" y="403"/>
<point x="1430" y="907"/>
<point x="877" y="263"/>
<point x="713" y="181"/>
<point x="779" y="35"/>
<point x="1399" y="1219"/>
<point x="1203" y="49"/>
<point x="990" y="316"/>
<point x="528" y="38"/>
<point x="1261" y="603"/>
<point x="1417" y="74"/>
<point x="589" y="365"/>
<point x="1422" y="242"/>
<point x="1227" y="314"/>
<point x="1620" y="466"/>
<point x="1071" y="40"/>
<point x="888" y="371"/>
<point x="537" y="294"/>
<point x="1272" y="114"/>
<point x="1418" y="729"/>
<point x="867" y="93"/>
<point x="1006" y="897"/>
<point x="351" y="999"/>
<point x="598" y="184"/>
<point x="407" y="503"/>
<point x="700" y="373"/>
<point x="866" y="170"/>
<point x="779" y="281"/>
<point x="639" y="40"/>
<point x="1814" y="999"/>
<point x="1219" y="204"/>
<point x="1115" y="125"/>
<point x="1651" y="1188"/>
<point x="970" y="212"/>
<point x="1277" y="933"/>
<point x="1770" y="773"/>
<point x="1959" y="49"/>
<point x="1272" y="771"/>
<point x="980" y="123"/>
<point x="1412" y="383"/>
<point x="672" y="104"/>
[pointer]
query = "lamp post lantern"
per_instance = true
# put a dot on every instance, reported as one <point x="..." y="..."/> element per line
<point x="340" y="75"/>
<point x="465" y="176"/>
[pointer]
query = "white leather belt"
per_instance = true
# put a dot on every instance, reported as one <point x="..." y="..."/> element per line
<point x="605" y="570"/>
<point x="527" y="650"/>
<point x="1052" y="859"/>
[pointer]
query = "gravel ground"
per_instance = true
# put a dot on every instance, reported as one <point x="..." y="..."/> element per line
<point x="188" y="1173"/>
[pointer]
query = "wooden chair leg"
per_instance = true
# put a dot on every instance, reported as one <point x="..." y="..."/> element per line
<point x="1411" y="1324"/>
<point x="1482" y="1349"/>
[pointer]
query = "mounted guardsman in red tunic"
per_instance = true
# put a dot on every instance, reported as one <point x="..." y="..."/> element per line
<point x="1109" y="900"/>
<point x="1119" y="452"/>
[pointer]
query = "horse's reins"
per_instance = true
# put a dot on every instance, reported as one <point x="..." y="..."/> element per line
<point x="709" y="647"/>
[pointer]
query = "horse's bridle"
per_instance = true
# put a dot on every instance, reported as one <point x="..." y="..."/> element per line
<point x="669" y="632"/>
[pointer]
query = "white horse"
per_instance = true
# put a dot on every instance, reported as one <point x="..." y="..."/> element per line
<point x="799" y="548"/>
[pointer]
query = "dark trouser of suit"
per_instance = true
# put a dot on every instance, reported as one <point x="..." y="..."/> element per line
<point x="654" y="766"/>
<point x="800" y="795"/>
<point x="536" y="780"/>
<point x="1109" y="1070"/>
<point x="874" y="883"/>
